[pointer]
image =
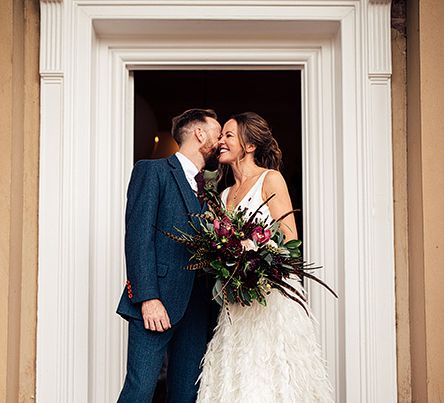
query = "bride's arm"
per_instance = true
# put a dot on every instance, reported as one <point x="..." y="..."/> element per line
<point x="280" y="204"/>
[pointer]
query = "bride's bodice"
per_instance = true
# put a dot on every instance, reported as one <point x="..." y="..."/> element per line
<point x="252" y="199"/>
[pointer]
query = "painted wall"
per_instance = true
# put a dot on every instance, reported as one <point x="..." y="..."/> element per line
<point x="425" y="125"/>
<point x="19" y="136"/>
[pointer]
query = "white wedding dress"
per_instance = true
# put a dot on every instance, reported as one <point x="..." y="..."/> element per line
<point x="264" y="354"/>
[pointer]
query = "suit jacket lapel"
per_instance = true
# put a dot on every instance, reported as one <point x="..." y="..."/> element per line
<point x="190" y="199"/>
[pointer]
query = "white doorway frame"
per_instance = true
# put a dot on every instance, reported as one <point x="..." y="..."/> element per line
<point x="88" y="51"/>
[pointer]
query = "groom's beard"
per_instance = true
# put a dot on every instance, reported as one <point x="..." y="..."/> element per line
<point x="211" y="158"/>
<point x="212" y="162"/>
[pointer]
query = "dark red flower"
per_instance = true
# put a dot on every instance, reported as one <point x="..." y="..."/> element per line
<point x="260" y="235"/>
<point x="275" y="273"/>
<point x="249" y="274"/>
<point x="250" y="280"/>
<point x="223" y="228"/>
<point x="232" y="248"/>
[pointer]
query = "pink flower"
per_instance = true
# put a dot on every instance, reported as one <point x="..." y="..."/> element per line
<point x="260" y="235"/>
<point x="223" y="228"/>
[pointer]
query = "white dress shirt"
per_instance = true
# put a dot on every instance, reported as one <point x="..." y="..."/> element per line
<point x="189" y="168"/>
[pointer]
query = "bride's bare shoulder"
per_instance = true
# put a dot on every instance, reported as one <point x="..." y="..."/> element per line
<point x="273" y="177"/>
<point x="274" y="182"/>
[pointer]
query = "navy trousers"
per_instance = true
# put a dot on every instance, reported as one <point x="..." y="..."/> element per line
<point x="185" y="343"/>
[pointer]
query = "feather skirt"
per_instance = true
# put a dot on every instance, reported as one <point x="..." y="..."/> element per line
<point x="264" y="354"/>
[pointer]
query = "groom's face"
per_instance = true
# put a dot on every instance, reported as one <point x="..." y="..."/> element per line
<point x="209" y="148"/>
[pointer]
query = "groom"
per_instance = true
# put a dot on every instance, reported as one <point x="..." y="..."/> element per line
<point x="168" y="308"/>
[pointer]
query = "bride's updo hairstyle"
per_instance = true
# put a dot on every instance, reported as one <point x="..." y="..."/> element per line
<point x="254" y="129"/>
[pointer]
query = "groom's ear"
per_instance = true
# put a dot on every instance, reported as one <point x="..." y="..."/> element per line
<point x="200" y="134"/>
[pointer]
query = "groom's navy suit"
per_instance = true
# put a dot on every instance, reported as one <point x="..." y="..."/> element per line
<point x="159" y="196"/>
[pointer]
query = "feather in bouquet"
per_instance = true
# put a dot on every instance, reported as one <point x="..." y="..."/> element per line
<point x="247" y="255"/>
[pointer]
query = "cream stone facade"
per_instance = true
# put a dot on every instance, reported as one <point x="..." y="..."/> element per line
<point x="417" y="94"/>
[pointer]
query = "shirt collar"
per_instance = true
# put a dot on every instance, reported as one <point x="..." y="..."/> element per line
<point x="188" y="166"/>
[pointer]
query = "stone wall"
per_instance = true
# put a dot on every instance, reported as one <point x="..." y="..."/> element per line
<point x="399" y="135"/>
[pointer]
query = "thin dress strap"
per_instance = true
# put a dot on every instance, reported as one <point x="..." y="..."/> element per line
<point x="260" y="181"/>
<point x="224" y="195"/>
<point x="254" y="196"/>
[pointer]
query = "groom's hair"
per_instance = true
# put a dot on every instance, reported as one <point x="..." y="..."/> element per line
<point x="182" y="122"/>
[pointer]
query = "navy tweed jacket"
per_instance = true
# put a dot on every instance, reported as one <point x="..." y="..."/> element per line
<point x="159" y="196"/>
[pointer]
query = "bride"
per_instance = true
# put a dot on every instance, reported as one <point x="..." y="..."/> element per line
<point x="261" y="354"/>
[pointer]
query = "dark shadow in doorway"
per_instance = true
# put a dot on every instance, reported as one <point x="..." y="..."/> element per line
<point x="274" y="94"/>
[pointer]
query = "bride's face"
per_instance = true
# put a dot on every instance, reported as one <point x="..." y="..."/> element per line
<point x="229" y="143"/>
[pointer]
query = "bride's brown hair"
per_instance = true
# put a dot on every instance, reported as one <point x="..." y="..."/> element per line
<point x="253" y="129"/>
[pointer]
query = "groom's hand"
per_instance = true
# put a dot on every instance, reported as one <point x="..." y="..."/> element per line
<point x="155" y="316"/>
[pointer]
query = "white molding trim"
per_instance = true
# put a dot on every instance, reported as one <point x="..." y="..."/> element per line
<point x="52" y="325"/>
<point x="51" y="38"/>
<point x="379" y="31"/>
<point x="343" y="49"/>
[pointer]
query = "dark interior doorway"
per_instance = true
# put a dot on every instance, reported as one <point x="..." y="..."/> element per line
<point x="274" y="94"/>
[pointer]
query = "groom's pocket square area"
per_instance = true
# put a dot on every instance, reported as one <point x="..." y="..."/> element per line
<point x="162" y="269"/>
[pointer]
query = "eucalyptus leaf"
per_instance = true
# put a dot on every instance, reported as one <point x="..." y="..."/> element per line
<point x="225" y="273"/>
<point x="230" y="295"/>
<point x="296" y="253"/>
<point x="217" y="295"/>
<point x="268" y="258"/>
<point x="293" y="244"/>
<point x="215" y="264"/>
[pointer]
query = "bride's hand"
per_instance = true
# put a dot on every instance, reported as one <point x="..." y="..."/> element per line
<point x="155" y="316"/>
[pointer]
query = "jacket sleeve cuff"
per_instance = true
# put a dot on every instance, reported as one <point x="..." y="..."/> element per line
<point x="145" y="295"/>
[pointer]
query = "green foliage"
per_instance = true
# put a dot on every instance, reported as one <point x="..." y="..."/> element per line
<point x="247" y="255"/>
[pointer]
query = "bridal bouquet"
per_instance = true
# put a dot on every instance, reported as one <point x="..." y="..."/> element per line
<point x="247" y="255"/>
